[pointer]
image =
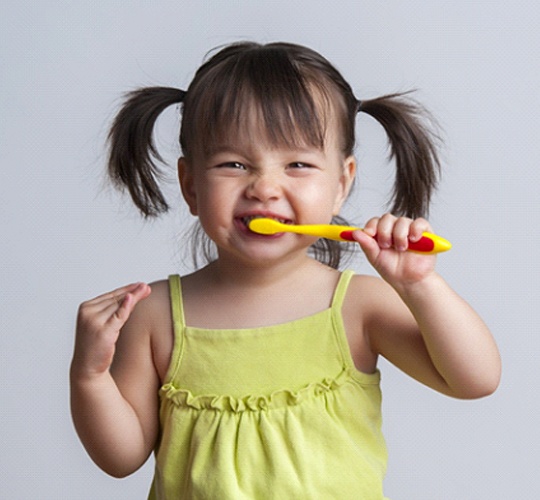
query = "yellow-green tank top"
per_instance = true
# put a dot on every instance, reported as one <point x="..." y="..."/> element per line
<point x="276" y="412"/>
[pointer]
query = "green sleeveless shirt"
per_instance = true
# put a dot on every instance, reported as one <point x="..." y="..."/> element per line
<point x="276" y="412"/>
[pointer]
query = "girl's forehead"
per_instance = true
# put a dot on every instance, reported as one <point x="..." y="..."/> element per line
<point x="285" y="132"/>
<point x="251" y="140"/>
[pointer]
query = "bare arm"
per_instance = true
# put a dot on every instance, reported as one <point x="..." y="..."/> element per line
<point x="434" y="336"/>
<point x="421" y="325"/>
<point x="115" y="409"/>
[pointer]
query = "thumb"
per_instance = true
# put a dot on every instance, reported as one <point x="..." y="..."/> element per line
<point x="130" y="300"/>
<point x="368" y="244"/>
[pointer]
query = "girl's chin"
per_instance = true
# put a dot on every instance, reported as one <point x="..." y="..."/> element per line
<point x="262" y="249"/>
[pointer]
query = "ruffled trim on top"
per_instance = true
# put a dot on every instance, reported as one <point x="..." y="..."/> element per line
<point x="278" y="399"/>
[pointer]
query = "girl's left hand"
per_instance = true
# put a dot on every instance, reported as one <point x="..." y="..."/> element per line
<point x="385" y="240"/>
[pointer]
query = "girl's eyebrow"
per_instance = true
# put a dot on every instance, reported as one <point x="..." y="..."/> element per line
<point x="222" y="149"/>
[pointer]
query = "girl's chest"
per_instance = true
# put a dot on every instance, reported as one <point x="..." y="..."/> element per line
<point x="163" y="341"/>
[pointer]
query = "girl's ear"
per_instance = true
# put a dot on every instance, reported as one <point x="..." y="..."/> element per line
<point x="187" y="185"/>
<point x="345" y="183"/>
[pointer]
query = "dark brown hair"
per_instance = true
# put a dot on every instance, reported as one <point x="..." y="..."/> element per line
<point x="294" y="91"/>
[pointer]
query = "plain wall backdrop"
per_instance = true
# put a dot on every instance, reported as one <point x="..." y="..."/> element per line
<point x="65" y="237"/>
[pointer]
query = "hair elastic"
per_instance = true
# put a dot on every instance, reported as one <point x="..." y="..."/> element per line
<point x="181" y="95"/>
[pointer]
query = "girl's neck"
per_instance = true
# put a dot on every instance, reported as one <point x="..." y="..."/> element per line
<point x="249" y="297"/>
<point x="224" y="272"/>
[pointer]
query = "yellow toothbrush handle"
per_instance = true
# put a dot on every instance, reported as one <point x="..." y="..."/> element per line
<point x="329" y="231"/>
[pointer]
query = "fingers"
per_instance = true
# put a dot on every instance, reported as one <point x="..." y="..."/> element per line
<point x="99" y="323"/>
<point x="126" y="303"/>
<point x="395" y="232"/>
<point x="122" y="305"/>
<point x="115" y="305"/>
<point x="117" y="295"/>
<point x="137" y="290"/>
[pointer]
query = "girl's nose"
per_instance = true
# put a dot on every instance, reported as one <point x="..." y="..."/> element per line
<point x="263" y="188"/>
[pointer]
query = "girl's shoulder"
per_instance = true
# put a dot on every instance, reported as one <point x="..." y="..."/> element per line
<point x="355" y="312"/>
<point x="160" y="292"/>
<point x="156" y="305"/>
<point x="370" y="297"/>
<point x="366" y="287"/>
<point x="371" y="306"/>
<point x="155" y="313"/>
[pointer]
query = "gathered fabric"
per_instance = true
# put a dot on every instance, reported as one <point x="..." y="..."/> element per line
<point x="267" y="413"/>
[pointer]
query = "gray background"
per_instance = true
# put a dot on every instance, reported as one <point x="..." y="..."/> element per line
<point x="65" y="238"/>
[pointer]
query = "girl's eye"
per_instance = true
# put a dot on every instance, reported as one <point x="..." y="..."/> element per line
<point x="300" y="165"/>
<point x="232" y="164"/>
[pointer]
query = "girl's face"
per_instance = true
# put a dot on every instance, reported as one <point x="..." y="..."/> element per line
<point x="248" y="177"/>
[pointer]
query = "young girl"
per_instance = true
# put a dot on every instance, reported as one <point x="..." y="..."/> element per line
<point x="256" y="376"/>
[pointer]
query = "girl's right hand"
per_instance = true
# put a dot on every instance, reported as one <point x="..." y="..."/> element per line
<point x="99" y="322"/>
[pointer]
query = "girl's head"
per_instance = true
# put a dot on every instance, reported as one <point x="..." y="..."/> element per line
<point x="284" y="94"/>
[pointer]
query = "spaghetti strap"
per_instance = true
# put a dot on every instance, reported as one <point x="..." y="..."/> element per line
<point x="176" y="300"/>
<point x="339" y="327"/>
<point x="179" y="324"/>
<point x="341" y="289"/>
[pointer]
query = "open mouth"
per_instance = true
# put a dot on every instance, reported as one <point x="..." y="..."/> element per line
<point x="246" y="220"/>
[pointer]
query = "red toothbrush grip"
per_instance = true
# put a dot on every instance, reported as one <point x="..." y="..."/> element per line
<point x="425" y="244"/>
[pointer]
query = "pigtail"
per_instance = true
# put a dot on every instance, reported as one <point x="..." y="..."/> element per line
<point x="413" y="147"/>
<point x="132" y="151"/>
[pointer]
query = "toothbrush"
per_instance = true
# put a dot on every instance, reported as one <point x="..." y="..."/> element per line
<point x="428" y="244"/>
